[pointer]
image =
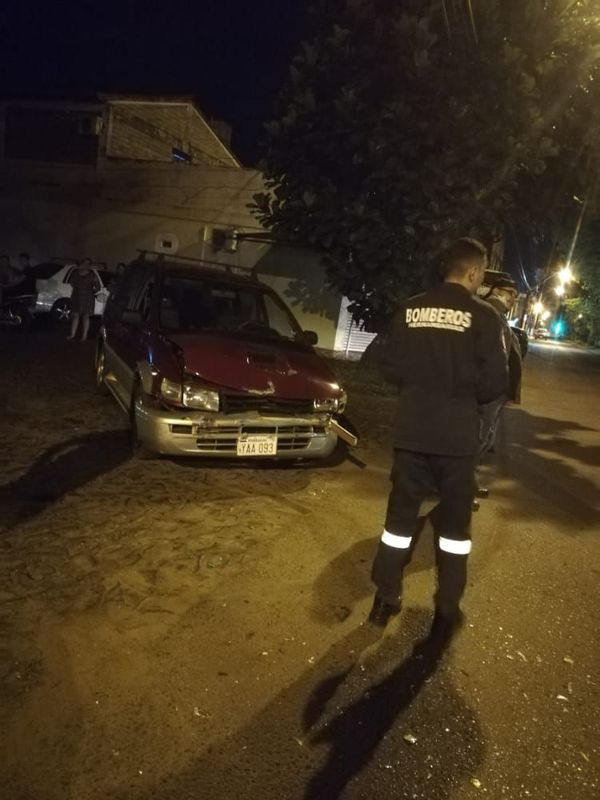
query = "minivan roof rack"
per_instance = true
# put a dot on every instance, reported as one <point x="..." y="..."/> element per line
<point x="231" y="268"/>
<point x="66" y="262"/>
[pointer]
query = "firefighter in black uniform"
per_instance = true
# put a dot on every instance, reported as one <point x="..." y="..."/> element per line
<point x="445" y="351"/>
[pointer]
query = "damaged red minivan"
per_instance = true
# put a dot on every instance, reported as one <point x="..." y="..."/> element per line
<point x="208" y="361"/>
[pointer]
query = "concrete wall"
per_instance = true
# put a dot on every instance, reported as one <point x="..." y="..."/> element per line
<point x="110" y="213"/>
<point x="150" y="130"/>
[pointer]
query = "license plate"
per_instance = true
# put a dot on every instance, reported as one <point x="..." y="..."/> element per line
<point x="257" y="445"/>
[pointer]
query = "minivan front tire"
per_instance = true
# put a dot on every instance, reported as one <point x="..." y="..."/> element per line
<point x="101" y="386"/>
<point x="139" y="450"/>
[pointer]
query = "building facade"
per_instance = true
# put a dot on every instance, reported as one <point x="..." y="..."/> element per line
<point x="112" y="175"/>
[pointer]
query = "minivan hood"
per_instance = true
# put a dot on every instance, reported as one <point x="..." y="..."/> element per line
<point x="282" y="369"/>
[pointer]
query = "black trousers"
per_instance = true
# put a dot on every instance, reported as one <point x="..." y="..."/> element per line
<point x="489" y="419"/>
<point x="414" y="477"/>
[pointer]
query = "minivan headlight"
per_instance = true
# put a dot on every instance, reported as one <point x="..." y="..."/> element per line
<point x="170" y="390"/>
<point x="201" y="397"/>
<point x="332" y="405"/>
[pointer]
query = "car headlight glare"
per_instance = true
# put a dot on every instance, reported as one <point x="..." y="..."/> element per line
<point x="170" y="390"/>
<point x="201" y="397"/>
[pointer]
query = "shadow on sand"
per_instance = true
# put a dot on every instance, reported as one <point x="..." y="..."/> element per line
<point x="542" y="454"/>
<point x="62" y="469"/>
<point x="339" y="729"/>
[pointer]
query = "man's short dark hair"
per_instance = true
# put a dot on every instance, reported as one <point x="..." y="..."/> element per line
<point x="460" y="256"/>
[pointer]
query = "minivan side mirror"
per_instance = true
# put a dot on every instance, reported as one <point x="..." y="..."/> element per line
<point x="310" y="338"/>
<point x="131" y="318"/>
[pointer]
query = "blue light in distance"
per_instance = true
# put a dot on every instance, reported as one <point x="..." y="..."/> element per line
<point x="558" y="328"/>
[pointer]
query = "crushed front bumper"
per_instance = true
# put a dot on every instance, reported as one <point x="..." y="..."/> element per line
<point x="199" y="433"/>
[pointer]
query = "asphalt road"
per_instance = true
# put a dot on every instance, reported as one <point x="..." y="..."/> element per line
<point x="181" y="630"/>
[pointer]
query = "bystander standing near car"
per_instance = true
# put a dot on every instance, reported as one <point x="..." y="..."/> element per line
<point x="85" y="287"/>
<point x="5" y="272"/>
<point x="9" y="276"/>
<point x="24" y="263"/>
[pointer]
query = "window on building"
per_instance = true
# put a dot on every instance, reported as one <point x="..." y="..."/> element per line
<point x="49" y="134"/>
<point x="180" y="155"/>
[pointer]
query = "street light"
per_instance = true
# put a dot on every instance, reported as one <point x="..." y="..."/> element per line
<point x="565" y="274"/>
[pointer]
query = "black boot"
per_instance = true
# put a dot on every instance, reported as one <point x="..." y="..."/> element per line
<point x="483" y="493"/>
<point x="446" y="625"/>
<point x="382" y="612"/>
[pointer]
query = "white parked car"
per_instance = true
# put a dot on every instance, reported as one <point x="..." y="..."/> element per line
<point x="50" y="290"/>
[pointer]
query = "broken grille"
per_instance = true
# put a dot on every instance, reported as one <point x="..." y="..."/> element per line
<point x="239" y="403"/>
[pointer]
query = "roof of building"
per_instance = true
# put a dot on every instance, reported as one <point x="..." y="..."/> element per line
<point x="98" y="100"/>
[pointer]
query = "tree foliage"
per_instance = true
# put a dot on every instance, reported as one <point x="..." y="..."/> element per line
<point x="563" y="42"/>
<point x="406" y="124"/>
<point x="584" y="308"/>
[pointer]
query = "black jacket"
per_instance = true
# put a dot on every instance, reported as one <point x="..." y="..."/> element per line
<point x="446" y="352"/>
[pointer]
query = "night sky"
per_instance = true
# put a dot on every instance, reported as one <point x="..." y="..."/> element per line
<point x="231" y="55"/>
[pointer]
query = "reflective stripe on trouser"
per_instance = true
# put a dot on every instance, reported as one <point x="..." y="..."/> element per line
<point x="414" y="476"/>
<point x="393" y="554"/>
<point x="451" y="559"/>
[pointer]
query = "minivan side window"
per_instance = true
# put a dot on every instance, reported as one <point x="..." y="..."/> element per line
<point x="144" y="302"/>
<point x="136" y="290"/>
<point x="127" y="291"/>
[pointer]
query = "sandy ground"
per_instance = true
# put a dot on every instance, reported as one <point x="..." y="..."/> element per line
<point x="184" y="629"/>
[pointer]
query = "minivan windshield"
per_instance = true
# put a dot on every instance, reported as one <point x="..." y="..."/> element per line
<point x="189" y="303"/>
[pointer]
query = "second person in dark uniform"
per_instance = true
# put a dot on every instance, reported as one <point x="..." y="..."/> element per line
<point x="501" y="297"/>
